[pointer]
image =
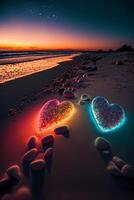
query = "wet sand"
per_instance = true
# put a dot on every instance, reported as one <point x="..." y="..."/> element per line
<point x="78" y="171"/>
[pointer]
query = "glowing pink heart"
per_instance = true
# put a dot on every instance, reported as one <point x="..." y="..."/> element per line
<point x="54" y="113"/>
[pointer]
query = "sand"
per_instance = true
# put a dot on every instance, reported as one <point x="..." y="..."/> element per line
<point x="78" y="170"/>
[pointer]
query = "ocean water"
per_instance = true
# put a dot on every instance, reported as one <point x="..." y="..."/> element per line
<point x="11" y="54"/>
<point x="14" y="65"/>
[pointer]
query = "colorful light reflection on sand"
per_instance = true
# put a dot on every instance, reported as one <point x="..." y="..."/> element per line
<point x="107" y="117"/>
<point x="54" y="113"/>
<point x="17" y="70"/>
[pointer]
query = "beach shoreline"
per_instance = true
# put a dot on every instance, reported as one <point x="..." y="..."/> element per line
<point x="24" y="68"/>
<point x="29" y="85"/>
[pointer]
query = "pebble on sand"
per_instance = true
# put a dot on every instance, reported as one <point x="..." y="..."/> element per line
<point x="119" y="62"/>
<point x="32" y="142"/>
<point x="14" y="172"/>
<point x="37" y="165"/>
<point x="113" y="169"/>
<point x="7" y="197"/>
<point x="102" y="144"/>
<point x="4" y="181"/>
<point x="23" y="193"/>
<point x="118" y="161"/>
<point x="63" y="130"/>
<point x="69" y="94"/>
<point x="47" y="142"/>
<point x="48" y="154"/>
<point x="30" y="155"/>
<point x="60" y="91"/>
<point x="128" y="171"/>
<point x="84" y="99"/>
<point x="89" y="68"/>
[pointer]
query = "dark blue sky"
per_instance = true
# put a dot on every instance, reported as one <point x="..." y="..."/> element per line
<point x="110" y="18"/>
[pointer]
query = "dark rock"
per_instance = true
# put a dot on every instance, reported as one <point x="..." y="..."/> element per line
<point x="4" y="182"/>
<point x="91" y="74"/>
<point x="30" y="155"/>
<point x="69" y="94"/>
<point x="102" y="144"/>
<point x="38" y="164"/>
<point x="15" y="172"/>
<point x="32" y="142"/>
<point x="60" y="91"/>
<point x="67" y="84"/>
<point x="84" y="99"/>
<point x="78" y="82"/>
<point x="12" y="112"/>
<point x="89" y="68"/>
<point x="47" y="142"/>
<point x="48" y="154"/>
<point x="118" y="161"/>
<point x="22" y="193"/>
<point x="63" y="130"/>
<point x="119" y="62"/>
<point x="10" y="180"/>
<point x="37" y="169"/>
<point x="128" y="171"/>
<point x="113" y="169"/>
<point x="92" y="69"/>
<point x="106" y="152"/>
<point x="84" y="67"/>
<point x="7" y="197"/>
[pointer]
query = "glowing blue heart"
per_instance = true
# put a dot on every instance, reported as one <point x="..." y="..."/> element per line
<point x="107" y="117"/>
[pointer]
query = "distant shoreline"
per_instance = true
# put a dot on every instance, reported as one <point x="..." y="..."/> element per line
<point x="27" y="58"/>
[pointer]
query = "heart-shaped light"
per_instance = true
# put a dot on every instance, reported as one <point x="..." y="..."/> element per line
<point x="54" y="113"/>
<point x="107" y="117"/>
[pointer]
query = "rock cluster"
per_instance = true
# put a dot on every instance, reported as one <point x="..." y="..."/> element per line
<point x="118" y="167"/>
<point x="36" y="169"/>
<point x="11" y="178"/>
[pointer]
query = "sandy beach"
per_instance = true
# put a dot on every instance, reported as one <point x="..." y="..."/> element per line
<point x="78" y="170"/>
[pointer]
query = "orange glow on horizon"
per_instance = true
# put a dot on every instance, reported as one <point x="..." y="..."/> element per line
<point x="22" y="36"/>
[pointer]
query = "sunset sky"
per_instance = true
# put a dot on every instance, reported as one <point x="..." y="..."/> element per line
<point x="54" y="24"/>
